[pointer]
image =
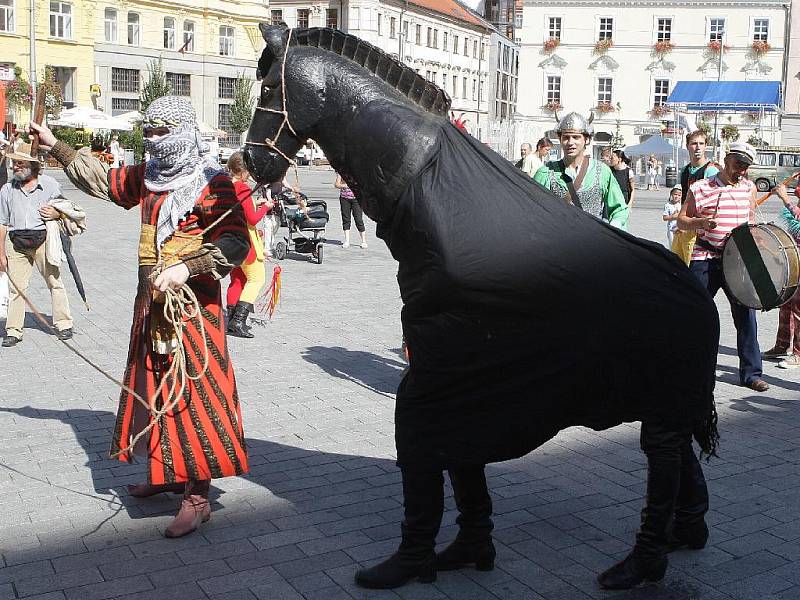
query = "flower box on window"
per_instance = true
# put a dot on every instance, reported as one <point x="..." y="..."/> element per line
<point x="659" y="110"/>
<point x="760" y="47"/>
<point x="663" y="47"/>
<point x="601" y="46"/>
<point x="550" y="44"/>
<point x="552" y="106"/>
<point x="715" y="46"/>
<point x="603" y="108"/>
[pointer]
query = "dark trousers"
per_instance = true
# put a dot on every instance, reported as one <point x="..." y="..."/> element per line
<point x="709" y="272"/>
<point x="677" y="496"/>
<point x="351" y="206"/>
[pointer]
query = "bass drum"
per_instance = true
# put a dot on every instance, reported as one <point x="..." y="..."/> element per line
<point x="760" y="265"/>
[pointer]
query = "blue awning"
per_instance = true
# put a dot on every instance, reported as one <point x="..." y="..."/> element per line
<point x="726" y="96"/>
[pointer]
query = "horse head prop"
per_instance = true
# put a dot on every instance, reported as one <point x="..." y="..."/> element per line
<point x="333" y="87"/>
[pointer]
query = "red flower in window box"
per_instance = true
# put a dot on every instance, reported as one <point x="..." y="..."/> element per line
<point x="552" y="106"/>
<point x="663" y="47"/>
<point x="715" y="46"/>
<point x="550" y="44"/>
<point x="659" y="110"/>
<point x="601" y="46"/>
<point x="760" y="47"/>
<point x="604" y="108"/>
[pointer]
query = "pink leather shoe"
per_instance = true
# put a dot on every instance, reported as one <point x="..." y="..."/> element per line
<point x="145" y="490"/>
<point x="194" y="510"/>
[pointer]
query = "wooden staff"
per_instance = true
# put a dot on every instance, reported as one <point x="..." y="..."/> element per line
<point x="38" y="117"/>
<point x="763" y="198"/>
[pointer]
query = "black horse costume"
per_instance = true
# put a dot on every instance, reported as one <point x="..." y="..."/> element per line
<point x="523" y="315"/>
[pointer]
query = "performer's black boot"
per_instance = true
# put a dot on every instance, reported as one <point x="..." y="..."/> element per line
<point x="238" y="324"/>
<point x="648" y="561"/>
<point x="473" y="544"/>
<point x="423" y="498"/>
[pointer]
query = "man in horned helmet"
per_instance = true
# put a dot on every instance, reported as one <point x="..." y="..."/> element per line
<point x="193" y="233"/>
<point x="581" y="180"/>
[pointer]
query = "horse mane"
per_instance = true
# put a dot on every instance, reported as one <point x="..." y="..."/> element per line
<point x="401" y="77"/>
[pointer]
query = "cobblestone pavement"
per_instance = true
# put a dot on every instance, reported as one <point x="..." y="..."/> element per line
<point x="323" y="496"/>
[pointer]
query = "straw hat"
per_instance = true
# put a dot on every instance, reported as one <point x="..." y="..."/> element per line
<point x="21" y="152"/>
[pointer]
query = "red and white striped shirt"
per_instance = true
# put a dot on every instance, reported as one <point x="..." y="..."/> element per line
<point x="728" y="205"/>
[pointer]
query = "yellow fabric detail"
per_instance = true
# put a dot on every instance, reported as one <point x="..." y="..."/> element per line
<point x="683" y="244"/>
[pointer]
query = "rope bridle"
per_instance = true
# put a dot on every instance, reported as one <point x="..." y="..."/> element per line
<point x="271" y="143"/>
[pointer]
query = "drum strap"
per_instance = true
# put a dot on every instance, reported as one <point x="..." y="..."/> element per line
<point x="754" y="263"/>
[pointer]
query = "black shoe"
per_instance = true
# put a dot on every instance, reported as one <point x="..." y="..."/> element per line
<point x="10" y="341"/>
<point x="633" y="571"/>
<point x="64" y="334"/>
<point x="237" y="326"/>
<point x="459" y="554"/>
<point x="396" y="571"/>
<point x="693" y="538"/>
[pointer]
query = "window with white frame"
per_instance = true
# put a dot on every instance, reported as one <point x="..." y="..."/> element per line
<point x="444" y="80"/>
<point x="664" y="29"/>
<point x="760" y="30"/>
<point x="660" y="92"/>
<point x="7" y="15"/>
<point x="455" y="43"/>
<point x="303" y="16"/>
<point x="474" y="48"/>
<point x="554" y="27"/>
<point x="518" y="19"/>
<point x="405" y="31"/>
<point x="466" y="47"/>
<point x="133" y="29"/>
<point x="606" y="29"/>
<point x="61" y="20"/>
<point x="455" y="86"/>
<point x="604" y="89"/>
<point x="181" y="83"/>
<point x="429" y="37"/>
<point x="226" y="39"/>
<point x="355" y="17"/>
<point x="125" y="80"/>
<point x="110" y="25"/>
<point x="553" y="93"/>
<point x="123" y="105"/>
<point x="716" y="28"/>
<point x="418" y="34"/>
<point x="275" y="16"/>
<point x="392" y="27"/>
<point x="474" y="89"/>
<point x="188" y="36"/>
<point x="380" y="22"/>
<point x="464" y="88"/>
<point x="169" y="33"/>
<point x="435" y="38"/>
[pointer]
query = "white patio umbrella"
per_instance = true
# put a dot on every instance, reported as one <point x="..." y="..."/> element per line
<point x="131" y="117"/>
<point x="89" y="118"/>
<point x="206" y="129"/>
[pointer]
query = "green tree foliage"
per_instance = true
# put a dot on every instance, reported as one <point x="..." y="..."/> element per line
<point x="242" y="107"/>
<point x="156" y="85"/>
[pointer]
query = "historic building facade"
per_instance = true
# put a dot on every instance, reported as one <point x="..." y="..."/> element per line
<point x="64" y="40"/>
<point x="622" y="59"/>
<point x="203" y="49"/>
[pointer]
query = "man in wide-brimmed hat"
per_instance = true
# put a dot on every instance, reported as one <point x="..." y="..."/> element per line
<point x="24" y="208"/>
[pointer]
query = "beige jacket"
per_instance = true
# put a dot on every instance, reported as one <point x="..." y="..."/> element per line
<point x="71" y="223"/>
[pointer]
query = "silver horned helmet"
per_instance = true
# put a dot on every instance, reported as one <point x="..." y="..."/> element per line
<point x="576" y="122"/>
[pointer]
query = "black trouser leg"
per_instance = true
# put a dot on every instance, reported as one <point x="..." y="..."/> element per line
<point x="692" y="502"/>
<point x="423" y="500"/>
<point x="664" y="448"/>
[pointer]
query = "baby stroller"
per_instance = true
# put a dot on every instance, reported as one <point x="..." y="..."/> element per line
<point x="306" y="230"/>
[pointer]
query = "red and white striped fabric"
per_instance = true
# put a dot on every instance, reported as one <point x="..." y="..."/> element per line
<point x="728" y="205"/>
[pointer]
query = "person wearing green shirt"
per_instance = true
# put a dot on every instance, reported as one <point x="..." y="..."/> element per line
<point x="598" y="192"/>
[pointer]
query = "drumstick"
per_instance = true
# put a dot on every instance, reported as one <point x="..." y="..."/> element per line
<point x="763" y="198"/>
<point x="38" y="117"/>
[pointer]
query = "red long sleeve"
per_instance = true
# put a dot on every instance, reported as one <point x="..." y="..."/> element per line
<point x="244" y="194"/>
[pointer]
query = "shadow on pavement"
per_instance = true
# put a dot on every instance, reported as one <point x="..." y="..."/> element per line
<point x="368" y="370"/>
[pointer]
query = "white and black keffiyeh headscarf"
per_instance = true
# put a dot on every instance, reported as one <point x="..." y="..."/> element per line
<point x="179" y="163"/>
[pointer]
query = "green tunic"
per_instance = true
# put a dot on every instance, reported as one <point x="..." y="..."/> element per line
<point x="599" y="189"/>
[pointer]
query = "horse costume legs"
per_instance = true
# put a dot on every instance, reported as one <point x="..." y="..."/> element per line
<point x="473" y="544"/>
<point x="423" y="499"/>
<point x="676" y="494"/>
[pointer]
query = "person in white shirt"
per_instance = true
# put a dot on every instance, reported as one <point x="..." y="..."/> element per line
<point x="671" y="210"/>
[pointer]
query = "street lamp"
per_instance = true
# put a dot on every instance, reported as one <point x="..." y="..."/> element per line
<point x="717" y="145"/>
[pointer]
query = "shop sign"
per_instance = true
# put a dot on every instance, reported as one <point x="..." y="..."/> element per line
<point x="6" y="71"/>
<point x="647" y="130"/>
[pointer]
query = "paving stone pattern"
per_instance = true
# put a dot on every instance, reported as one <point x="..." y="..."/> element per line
<point x="323" y="495"/>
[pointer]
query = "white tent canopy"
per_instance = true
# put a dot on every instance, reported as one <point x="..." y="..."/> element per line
<point x="89" y="118"/>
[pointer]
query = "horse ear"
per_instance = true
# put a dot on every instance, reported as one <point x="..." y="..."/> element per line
<point x="276" y="37"/>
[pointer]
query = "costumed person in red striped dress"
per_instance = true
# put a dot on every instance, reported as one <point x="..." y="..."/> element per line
<point x="713" y="208"/>
<point x="787" y="343"/>
<point x="248" y="279"/>
<point x="185" y="422"/>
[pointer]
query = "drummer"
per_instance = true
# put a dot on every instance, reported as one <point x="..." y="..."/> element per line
<point x="714" y="207"/>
